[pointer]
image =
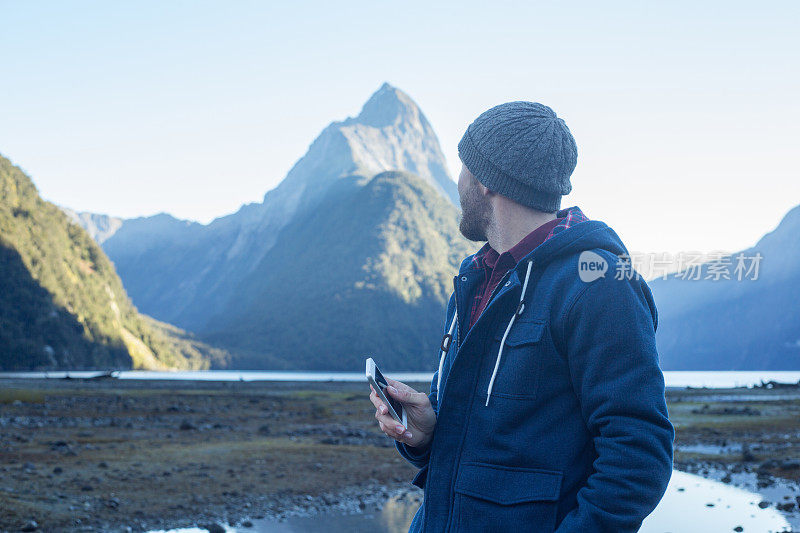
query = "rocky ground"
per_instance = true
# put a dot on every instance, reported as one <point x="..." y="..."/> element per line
<point x="747" y="437"/>
<point x="120" y="455"/>
<point x="130" y="455"/>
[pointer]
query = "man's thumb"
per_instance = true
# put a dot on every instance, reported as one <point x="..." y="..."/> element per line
<point x="396" y="393"/>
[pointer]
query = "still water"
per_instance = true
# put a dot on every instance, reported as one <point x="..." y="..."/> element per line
<point x="691" y="504"/>
<point x="711" y="379"/>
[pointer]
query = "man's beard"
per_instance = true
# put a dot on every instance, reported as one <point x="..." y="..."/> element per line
<point x="475" y="215"/>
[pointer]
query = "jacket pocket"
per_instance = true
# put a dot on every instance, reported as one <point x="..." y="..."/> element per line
<point x="494" y="498"/>
<point x="517" y="375"/>
<point x="522" y="333"/>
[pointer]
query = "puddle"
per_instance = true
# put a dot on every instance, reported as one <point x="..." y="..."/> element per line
<point x="693" y="503"/>
<point x="710" y="449"/>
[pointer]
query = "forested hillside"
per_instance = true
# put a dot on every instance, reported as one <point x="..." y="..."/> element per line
<point x="62" y="305"/>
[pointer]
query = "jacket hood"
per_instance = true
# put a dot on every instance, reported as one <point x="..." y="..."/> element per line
<point x="574" y="235"/>
<point x="584" y="235"/>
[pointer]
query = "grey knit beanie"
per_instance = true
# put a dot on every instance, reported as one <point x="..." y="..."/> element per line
<point x="523" y="151"/>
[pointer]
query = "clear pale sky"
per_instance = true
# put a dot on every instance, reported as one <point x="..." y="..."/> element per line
<point x="685" y="113"/>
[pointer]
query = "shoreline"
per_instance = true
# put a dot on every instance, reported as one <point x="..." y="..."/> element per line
<point x="88" y="454"/>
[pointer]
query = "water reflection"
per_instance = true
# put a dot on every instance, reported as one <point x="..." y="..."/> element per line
<point x="693" y="503"/>
<point x="397" y="514"/>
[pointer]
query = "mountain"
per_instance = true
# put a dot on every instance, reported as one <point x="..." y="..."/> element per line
<point x="62" y="305"/>
<point x="183" y="272"/>
<point x="99" y="227"/>
<point x="732" y="324"/>
<point x="367" y="272"/>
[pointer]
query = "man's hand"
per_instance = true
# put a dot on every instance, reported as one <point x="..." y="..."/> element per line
<point x="419" y="414"/>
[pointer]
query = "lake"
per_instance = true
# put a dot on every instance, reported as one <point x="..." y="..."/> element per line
<point x="711" y="379"/>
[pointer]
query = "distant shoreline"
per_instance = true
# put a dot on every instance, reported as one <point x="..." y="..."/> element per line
<point x="675" y="379"/>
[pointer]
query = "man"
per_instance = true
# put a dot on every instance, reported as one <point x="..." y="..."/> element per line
<point x="547" y="412"/>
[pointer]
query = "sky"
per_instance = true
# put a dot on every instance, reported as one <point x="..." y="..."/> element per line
<point x="685" y="114"/>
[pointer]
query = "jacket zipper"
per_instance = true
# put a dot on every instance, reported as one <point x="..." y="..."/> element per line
<point x="458" y="345"/>
<point x="500" y="283"/>
<point x="491" y="297"/>
<point x="497" y="289"/>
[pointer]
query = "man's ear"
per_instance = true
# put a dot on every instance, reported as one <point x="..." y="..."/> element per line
<point x="485" y="190"/>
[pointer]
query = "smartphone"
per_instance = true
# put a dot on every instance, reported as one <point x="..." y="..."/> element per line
<point x="378" y="382"/>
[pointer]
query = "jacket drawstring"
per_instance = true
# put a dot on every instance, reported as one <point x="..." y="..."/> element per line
<point x="445" y="348"/>
<point x="520" y="308"/>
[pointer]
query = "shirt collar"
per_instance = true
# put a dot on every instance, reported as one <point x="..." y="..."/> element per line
<point x="565" y="218"/>
<point x="532" y="240"/>
<point x="488" y="256"/>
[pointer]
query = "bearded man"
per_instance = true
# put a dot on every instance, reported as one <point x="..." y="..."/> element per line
<point x="547" y="411"/>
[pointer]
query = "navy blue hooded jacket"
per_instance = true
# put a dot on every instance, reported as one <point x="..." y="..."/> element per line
<point x="566" y="428"/>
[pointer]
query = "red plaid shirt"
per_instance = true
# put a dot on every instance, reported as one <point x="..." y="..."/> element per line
<point x="495" y="265"/>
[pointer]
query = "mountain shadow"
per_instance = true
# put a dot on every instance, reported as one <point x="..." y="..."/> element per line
<point x="36" y="333"/>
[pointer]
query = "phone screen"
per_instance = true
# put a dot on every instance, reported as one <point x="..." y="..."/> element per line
<point x="381" y="381"/>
